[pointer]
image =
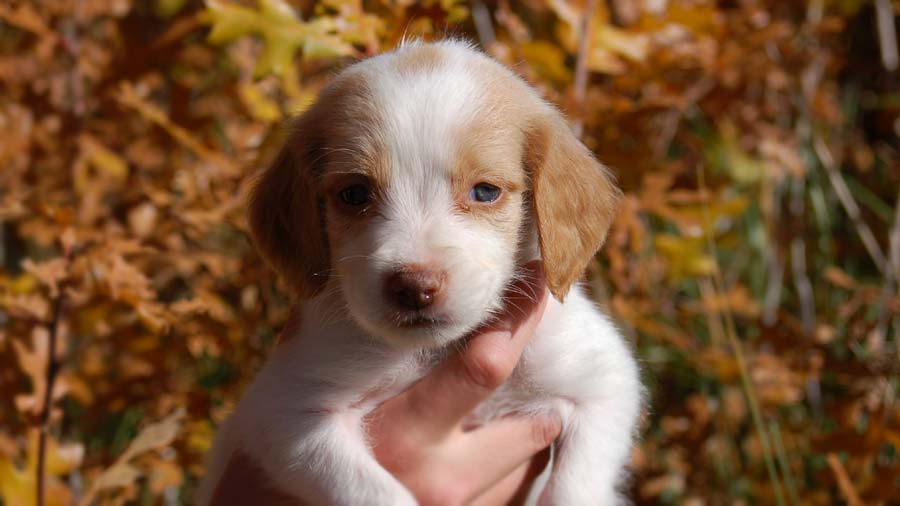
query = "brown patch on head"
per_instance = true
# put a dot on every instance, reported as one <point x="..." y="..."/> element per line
<point x="419" y="58"/>
<point x="286" y="206"/>
<point x="488" y="155"/>
<point x="490" y="144"/>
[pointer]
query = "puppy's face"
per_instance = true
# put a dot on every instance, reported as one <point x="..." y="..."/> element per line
<point x="412" y="184"/>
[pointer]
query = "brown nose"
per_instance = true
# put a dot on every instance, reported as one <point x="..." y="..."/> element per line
<point x="414" y="287"/>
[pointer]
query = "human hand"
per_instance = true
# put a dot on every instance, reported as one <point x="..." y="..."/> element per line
<point x="418" y="436"/>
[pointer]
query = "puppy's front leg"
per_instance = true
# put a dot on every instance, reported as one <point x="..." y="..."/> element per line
<point x="595" y="445"/>
<point x="324" y="459"/>
<point x="590" y="456"/>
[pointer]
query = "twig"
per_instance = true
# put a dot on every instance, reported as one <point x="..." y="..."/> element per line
<point x="774" y="264"/>
<point x="798" y="260"/>
<point x="483" y="25"/>
<point x="843" y="480"/>
<point x="47" y="403"/>
<point x="891" y="278"/>
<point x="846" y="198"/>
<point x="781" y="452"/>
<point x="887" y="34"/>
<point x="79" y="107"/>
<point x="673" y="117"/>
<point x="581" y="70"/>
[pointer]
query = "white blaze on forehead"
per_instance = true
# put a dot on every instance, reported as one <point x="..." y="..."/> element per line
<point x="423" y="110"/>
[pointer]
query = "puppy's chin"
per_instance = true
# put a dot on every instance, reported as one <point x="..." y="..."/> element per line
<point x="420" y="333"/>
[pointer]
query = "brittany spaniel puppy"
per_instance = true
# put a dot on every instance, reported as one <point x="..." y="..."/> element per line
<point x="403" y="204"/>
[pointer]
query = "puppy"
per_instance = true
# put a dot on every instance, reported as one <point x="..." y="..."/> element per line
<point x="402" y="206"/>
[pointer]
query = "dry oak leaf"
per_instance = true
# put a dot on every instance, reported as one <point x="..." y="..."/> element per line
<point x="49" y="273"/>
<point x="122" y="473"/>
<point x="33" y="362"/>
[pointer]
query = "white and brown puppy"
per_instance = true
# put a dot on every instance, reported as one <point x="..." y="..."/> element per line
<point x="401" y="208"/>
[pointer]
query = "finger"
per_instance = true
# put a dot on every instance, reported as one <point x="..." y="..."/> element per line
<point x="435" y="405"/>
<point x="515" y="487"/>
<point x="504" y="491"/>
<point x="487" y="455"/>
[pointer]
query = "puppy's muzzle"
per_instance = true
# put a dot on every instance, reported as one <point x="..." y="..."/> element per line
<point x="415" y="287"/>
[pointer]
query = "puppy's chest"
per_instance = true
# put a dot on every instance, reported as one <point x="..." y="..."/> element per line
<point x="518" y="394"/>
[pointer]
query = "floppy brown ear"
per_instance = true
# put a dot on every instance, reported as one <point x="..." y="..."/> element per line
<point x="285" y="213"/>
<point x="574" y="200"/>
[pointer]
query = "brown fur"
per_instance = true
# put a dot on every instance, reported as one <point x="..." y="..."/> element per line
<point x="420" y="59"/>
<point x="286" y="205"/>
<point x="574" y="199"/>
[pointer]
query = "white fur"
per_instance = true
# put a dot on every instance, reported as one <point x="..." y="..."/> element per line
<point x="301" y="419"/>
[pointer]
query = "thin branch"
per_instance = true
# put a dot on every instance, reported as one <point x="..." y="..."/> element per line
<point x="887" y="34"/>
<point x="75" y="87"/>
<point x="774" y="264"/>
<point x="47" y="402"/>
<point x="673" y="117"/>
<point x="483" y="24"/>
<point x="798" y="259"/>
<point x="891" y="278"/>
<point x="581" y="70"/>
<point x="850" y="205"/>
<point x="843" y="480"/>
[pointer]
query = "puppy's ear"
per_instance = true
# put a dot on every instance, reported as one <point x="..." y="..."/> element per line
<point x="574" y="200"/>
<point x="285" y="214"/>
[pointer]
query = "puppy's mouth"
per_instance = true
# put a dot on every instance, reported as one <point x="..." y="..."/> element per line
<point x="418" y="321"/>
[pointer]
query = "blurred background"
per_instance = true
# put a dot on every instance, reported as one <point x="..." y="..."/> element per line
<point x="754" y="264"/>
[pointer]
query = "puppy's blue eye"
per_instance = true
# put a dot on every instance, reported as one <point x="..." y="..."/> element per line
<point x="483" y="192"/>
<point x="355" y="195"/>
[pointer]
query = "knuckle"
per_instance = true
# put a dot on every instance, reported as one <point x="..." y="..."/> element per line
<point x="396" y="455"/>
<point x="544" y="431"/>
<point x="487" y="368"/>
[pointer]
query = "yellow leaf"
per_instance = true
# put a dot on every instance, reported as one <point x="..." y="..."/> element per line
<point x="23" y="284"/>
<point x="229" y="22"/>
<point x="685" y="255"/>
<point x="260" y="106"/>
<point x="633" y="46"/>
<point x="168" y="8"/>
<point x="282" y="31"/>
<point x="726" y="154"/>
<point x="17" y="484"/>
<point x="200" y="436"/>
<point x="548" y="60"/>
<point x="610" y="46"/>
<point x="104" y="160"/>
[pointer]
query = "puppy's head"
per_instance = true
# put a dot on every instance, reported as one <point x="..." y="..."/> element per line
<point x="413" y="187"/>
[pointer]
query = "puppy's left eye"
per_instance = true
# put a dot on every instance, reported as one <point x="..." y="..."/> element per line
<point x="355" y="195"/>
<point x="483" y="192"/>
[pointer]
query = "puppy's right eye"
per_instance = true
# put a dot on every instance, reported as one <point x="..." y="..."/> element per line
<point x="355" y="195"/>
